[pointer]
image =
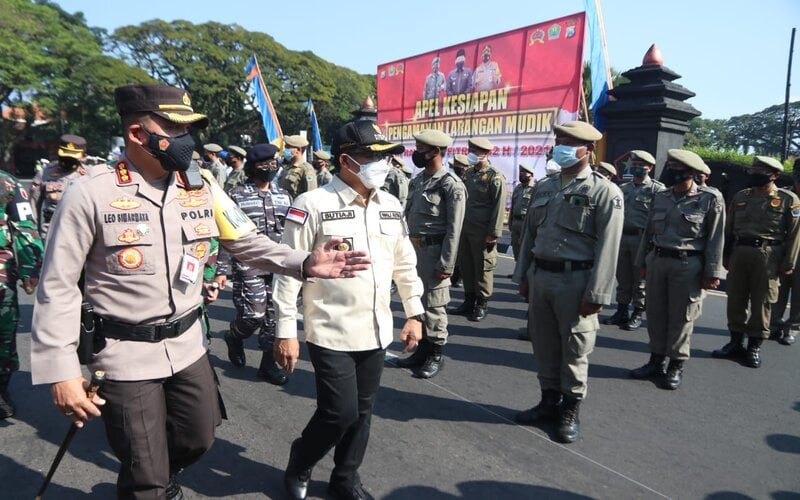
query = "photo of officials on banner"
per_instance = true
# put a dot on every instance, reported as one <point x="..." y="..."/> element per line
<point x="510" y="88"/>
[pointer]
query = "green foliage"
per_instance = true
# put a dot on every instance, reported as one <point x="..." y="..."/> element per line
<point x="209" y="60"/>
<point x="757" y="132"/>
<point x="616" y="80"/>
<point x="730" y="156"/>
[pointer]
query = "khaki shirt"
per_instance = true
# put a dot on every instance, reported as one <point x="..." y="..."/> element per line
<point x="47" y="188"/>
<point x="775" y="216"/>
<point x="436" y="207"/>
<point x="132" y="238"/>
<point x="486" y="201"/>
<point x="520" y="201"/>
<point x="351" y="314"/>
<point x="638" y="200"/>
<point x="581" y="221"/>
<point x="299" y="178"/>
<point x="694" y="221"/>
<point x="218" y="171"/>
<point x="396" y="184"/>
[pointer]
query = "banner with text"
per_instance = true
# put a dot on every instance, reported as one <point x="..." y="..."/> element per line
<point x="510" y="88"/>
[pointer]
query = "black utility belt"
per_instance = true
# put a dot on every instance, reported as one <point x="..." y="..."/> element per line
<point x="757" y="242"/>
<point x="631" y="231"/>
<point x="427" y="240"/>
<point x="145" y="333"/>
<point x="676" y="254"/>
<point x="563" y="266"/>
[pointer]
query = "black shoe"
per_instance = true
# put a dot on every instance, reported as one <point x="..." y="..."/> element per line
<point x="296" y="477"/>
<point x="455" y="283"/>
<point x="635" y="321"/>
<point x="547" y="409"/>
<point x="569" y="426"/>
<point x="432" y="364"/>
<point x="270" y="371"/>
<point x="775" y="332"/>
<point x="480" y="311"/>
<point x="235" y="349"/>
<point x="356" y="492"/>
<point x="417" y="358"/>
<point x="753" y="356"/>
<point x="466" y="307"/>
<point x="656" y="366"/>
<point x="173" y="491"/>
<point x="618" y="318"/>
<point x="731" y="350"/>
<point x="674" y="376"/>
<point x="7" y="408"/>
<point x="788" y="337"/>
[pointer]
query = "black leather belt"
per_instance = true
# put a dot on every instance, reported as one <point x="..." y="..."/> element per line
<point x="631" y="231"/>
<point x="562" y="266"/>
<point x="146" y="333"/>
<point x="757" y="242"/>
<point x="676" y="254"/>
<point x="427" y="240"/>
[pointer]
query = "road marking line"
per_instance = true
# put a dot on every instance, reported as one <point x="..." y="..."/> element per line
<point x="544" y="438"/>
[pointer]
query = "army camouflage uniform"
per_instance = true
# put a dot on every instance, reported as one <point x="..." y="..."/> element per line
<point x="237" y="177"/>
<point x="298" y="178"/>
<point x="20" y="258"/>
<point x="47" y="188"/>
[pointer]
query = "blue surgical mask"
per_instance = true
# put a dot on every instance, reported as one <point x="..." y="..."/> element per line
<point x="473" y="159"/>
<point x="565" y="156"/>
<point x="287" y="154"/>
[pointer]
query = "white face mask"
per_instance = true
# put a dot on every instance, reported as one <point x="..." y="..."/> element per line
<point x="372" y="174"/>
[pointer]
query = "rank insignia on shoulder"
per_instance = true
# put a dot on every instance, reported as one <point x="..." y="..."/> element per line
<point x="346" y="245"/>
<point x="123" y="174"/>
<point x="297" y="215"/>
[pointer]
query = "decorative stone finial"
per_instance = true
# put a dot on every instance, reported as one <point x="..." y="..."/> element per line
<point x="368" y="103"/>
<point x="653" y="57"/>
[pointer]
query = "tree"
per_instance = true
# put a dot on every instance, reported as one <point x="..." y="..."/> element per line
<point x="586" y="82"/>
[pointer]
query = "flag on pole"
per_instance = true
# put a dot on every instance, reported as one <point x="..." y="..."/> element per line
<point x="598" y="61"/>
<point x="317" y="142"/>
<point x="264" y="104"/>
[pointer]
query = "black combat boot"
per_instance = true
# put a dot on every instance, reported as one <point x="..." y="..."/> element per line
<point x="787" y="338"/>
<point x="733" y="349"/>
<point x="635" y="321"/>
<point x="235" y="346"/>
<point x="173" y="490"/>
<point x="618" y="318"/>
<point x="547" y="409"/>
<point x="569" y="426"/>
<point x="418" y="357"/>
<point x="433" y="363"/>
<point x="297" y="475"/>
<point x="674" y="376"/>
<point x="271" y="371"/>
<point x="480" y="311"/>
<point x="753" y="356"/>
<point x="7" y="408"/>
<point x="656" y="366"/>
<point x="466" y="308"/>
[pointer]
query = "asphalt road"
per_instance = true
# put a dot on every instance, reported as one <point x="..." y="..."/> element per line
<point x="728" y="432"/>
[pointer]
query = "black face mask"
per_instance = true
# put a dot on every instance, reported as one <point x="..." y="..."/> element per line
<point x="672" y="176"/>
<point x="524" y="179"/>
<point x="68" y="164"/>
<point x="174" y="153"/>
<point x="265" y="174"/>
<point x="757" y="179"/>
<point x="419" y="159"/>
<point x="638" y="171"/>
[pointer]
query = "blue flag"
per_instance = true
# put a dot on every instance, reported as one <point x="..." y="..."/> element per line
<point x="264" y="103"/>
<point x="597" y="62"/>
<point x="317" y="142"/>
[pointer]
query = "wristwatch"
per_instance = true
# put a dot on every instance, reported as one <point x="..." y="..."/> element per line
<point x="419" y="317"/>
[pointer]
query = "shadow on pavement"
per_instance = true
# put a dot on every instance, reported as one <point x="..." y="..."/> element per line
<point x="785" y="443"/>
<point x="484" y="489"/>
<point x="401" y="406"/>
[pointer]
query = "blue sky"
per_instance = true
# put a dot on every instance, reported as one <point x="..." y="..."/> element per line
<point x="733" y="54"/>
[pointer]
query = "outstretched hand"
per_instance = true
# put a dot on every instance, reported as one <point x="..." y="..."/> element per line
<point x="326" y="261"/>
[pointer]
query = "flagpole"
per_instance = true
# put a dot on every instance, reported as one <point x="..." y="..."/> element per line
<point x="605" y="46"/>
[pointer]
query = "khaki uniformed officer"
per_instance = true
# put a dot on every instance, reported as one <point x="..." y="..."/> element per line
<point x="320" y="164"/>
<point x="396" y="181"/>
<point x="298" y="175"/>
<point x="638" y="195"/>
<point x="681" y="251"/>
<point x="142" y="234"/>
<point x="607" y="170"/>
<point x="459" y="164"/>
<point x="761" y="243"/>
<point x="435" y="213"/>
<point x="49" y="185"/>
<point x="520" y="201"/>
<point x="483" y="225"/>
<point x="237" y="176"/>
<point x="566" y="267"/>
<point x="211" y="153"/>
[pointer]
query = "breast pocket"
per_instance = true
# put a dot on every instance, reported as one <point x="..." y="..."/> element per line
<point x="642" y="202"/>
<point x="432" y="200"/>
<point x="659" y="222"/>
<point x="129" y="251"/>
<point x="197" y="236"/>
<point x="573" y="217"/>
<point x="539" y="210"/>
<point x="692" y="225"/>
